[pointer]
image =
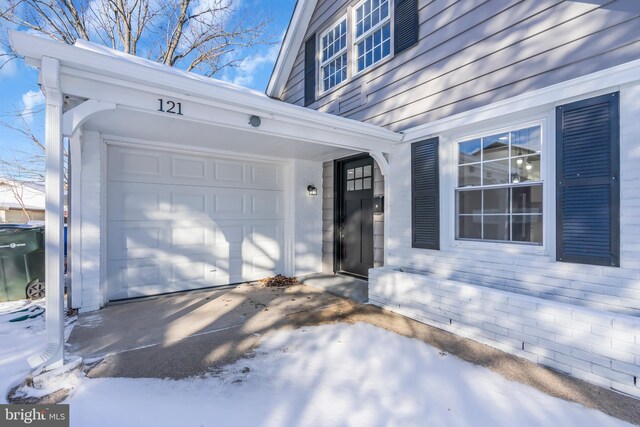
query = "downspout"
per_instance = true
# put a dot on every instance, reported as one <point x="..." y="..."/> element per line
<point x="52" y="356"/>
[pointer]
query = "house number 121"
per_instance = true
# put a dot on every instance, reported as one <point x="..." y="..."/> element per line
<point x="170" y="107"/>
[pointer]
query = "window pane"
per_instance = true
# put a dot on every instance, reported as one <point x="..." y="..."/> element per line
<point x="526" y="199"/>
<point x="366" y="184"/>
<point x="525" y="141"/>
<point x="350" y="186"/>
<point x="496" y="172"/>
<point x="358" y="184"/>
<point x="386" y="32"/>
<point x="358" y="172"/>
<point x="386" y="48"/>
<point x="470" y="202"/>
<point x="470" y="227"/>
<point x="469" y="151"/>
<point x="496" y="146"/>
<point x="377" y="54"/>
<point x="350" y="174"/>
<point x="384" y="9"/>
<point x="496" y="227"/>
<point x="526" y="168"/>
<point x="527" y="228"/>
<point x="367" y="171"/>
<point x="496" y="201"/>
<point x="469" y="175"/>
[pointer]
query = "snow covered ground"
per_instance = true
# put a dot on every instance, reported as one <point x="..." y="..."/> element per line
<point x="18" y="341"/>
<point x="331" y="375"/>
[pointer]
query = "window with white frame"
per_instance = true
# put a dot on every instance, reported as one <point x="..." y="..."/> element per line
<point x="499" y="191"/>
<point x="333" y="65"/>
<point x="372" y="32"/>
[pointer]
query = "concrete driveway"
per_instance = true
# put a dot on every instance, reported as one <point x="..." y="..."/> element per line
<point x="195" y="333"/>
<point x="188" y="334"/>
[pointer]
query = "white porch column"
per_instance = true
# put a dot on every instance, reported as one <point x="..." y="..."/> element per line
<point x="74" y="219"/>
<point x="53" y="355"/>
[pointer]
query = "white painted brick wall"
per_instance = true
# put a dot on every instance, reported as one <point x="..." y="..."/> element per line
<point x="596" y="346"/>
<point x="308" y="221"/>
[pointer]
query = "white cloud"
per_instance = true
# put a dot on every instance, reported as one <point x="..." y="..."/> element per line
<point x="244" y="74"/>
<point x="31" y="101"/>
<point x="8" y="65"/>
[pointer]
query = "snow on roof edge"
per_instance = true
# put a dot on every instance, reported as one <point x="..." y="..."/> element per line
<point x="112" y="53"/>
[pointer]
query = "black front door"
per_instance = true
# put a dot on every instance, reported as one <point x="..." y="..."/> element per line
<point x="355" y="216"/>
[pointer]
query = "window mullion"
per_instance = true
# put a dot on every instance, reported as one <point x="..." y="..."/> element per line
<point x="371" y="30"/>
<point x="335" y="55"/>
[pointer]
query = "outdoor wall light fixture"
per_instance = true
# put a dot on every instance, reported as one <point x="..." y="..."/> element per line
<point x="255" y="121"/>
<point x="312" y="190"/>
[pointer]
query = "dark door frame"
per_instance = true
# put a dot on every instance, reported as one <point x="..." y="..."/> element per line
<point x="338" y="190"/>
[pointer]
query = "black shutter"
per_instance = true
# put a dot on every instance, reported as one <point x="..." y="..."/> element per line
<point x="310" y="70"/>
<point x="425" y="195"/>
<point x="588" y="175"/>
<point x="406" y="25"/>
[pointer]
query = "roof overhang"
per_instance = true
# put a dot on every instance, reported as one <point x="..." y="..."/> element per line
<point x="135" y="85"/>
<point x="290" y="45"/>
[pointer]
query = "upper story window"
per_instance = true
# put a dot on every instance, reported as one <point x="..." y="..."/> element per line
<point x="499" y="192"/>
<point x="333" y="65"/>
<point x="372" y="32"/>
<point x="365" y="35"/>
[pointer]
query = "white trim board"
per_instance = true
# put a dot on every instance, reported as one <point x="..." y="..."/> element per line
<point x="290" y="45"/>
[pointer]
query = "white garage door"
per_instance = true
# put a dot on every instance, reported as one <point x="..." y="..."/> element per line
<point x="179" y="222"/>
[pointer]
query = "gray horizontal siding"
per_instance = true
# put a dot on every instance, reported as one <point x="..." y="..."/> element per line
<point x="474" y="52"/>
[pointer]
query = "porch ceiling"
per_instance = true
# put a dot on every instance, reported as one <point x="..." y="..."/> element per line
<point x="126" y="125"/>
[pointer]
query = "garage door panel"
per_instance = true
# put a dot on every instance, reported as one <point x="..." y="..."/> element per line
<point x="146" y="201"/>
<point x="190" y="168"/>
<point x="126" y="164"/>
<point x="189" y="201"/>
<point x="157" y="239"/>
<point x="140" y="277"/>
<point x="144" y="164"/>
<point x="180" y="222"/>
<point x="269" y="176"/>
<point x="266" y="205"/>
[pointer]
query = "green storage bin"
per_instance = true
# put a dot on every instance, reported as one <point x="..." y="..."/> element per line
<point x="21" y="262"/>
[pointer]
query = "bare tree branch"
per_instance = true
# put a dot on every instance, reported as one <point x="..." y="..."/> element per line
<point x="203" y="36"/>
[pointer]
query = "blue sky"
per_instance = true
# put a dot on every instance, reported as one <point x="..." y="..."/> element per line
<point x="20" y="92"/>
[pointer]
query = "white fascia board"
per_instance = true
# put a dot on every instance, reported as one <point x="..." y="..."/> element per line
<point x="152" y="76"/>
<point x="290" y="45"/>
<point x="143" y="99"/>
<point x="548" y="97"/>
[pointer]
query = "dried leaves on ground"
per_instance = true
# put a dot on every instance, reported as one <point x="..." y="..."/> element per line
<point x="279" y="281"/>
